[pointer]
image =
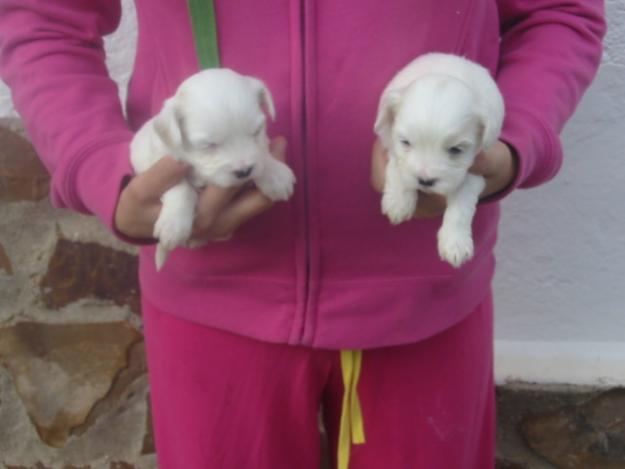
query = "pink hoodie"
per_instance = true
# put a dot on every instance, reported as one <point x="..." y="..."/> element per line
<point x="325" y="269"/>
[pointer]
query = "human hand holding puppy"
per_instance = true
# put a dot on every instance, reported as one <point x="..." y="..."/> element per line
<point x="220" y="211"/>
<point x="497" y="165"/>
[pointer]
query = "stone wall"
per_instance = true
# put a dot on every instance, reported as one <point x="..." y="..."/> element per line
<point x="560" y="426"/>
<point x="73" y="386"/>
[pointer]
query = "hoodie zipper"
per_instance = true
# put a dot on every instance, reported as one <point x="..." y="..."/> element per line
<point x="305" y="168"/>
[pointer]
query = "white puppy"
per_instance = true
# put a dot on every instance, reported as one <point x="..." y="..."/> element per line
<point x="215" y="123"/>
<point x="434" y="117"/>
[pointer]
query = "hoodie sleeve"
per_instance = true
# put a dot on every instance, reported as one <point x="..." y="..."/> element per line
<point x="52" y="58"/>
<point x="549" y="53"/>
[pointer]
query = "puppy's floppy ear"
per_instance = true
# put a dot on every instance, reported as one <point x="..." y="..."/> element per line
<point x="386" y="116"/>
<point x="481" y="132"/>
<point x="167" y="124"/>
<point x="489" y="128"/>
<point x="491" y="116"/>
<point x="264" y="97"/>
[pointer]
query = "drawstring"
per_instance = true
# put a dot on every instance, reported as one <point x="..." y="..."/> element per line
<point x="351" y="429"/>
<point x="204" y="25"/>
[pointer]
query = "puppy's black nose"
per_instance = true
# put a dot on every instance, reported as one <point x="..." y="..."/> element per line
<point x="243" y="173"/>
<point x="427" y="182"/>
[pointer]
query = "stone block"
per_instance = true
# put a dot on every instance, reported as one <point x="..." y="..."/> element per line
<point x="89" y="270"/>
<point x="61" y="371"/>
<point x="135" y="368"/>
<point x="587" y="435"/>
<point x="22" y="175"/>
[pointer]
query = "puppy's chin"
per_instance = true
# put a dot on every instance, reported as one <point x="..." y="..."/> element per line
<point x="409" y="180"/>
<point x="445" y="185"/>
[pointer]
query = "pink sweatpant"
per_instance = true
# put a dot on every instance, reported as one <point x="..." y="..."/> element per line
<point x="222" y="401"/>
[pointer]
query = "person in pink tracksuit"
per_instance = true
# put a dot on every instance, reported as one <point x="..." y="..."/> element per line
<point x="318" y="300"/>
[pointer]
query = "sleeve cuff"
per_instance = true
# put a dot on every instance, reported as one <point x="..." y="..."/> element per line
<point x="537" y="149"/>
<point x="98" y="180"/>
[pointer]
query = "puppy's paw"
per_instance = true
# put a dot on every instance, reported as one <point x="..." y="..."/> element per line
<point x="160" y="256"/>
<point x="276" y="182"/>
<point x="455" y="246"/>
<point x="171" y="229"/>
<point x="398" y="206"/>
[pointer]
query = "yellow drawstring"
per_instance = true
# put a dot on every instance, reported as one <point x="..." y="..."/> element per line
<point x="351" y="429"/>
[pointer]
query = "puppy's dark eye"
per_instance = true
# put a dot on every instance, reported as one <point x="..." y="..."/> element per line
<point x="455" y="151"/>
<point x="405" y="142"/>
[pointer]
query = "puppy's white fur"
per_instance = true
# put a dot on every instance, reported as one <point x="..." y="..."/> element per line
<point x="215" y="123"/>
<point x="434" y="117"/>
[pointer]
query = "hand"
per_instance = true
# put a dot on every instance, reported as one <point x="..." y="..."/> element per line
<point x="140" y="201"/>
<point x="220" y="211"/>
<point x="498" y="166"/>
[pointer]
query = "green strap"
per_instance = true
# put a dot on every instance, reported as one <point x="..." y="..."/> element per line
<point x="204" y="32"/>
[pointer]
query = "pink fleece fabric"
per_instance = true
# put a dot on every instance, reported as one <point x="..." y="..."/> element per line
<point x="325" y="269"/>
<point x="223" y="401"/>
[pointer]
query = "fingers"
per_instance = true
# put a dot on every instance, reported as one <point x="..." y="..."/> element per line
<point x="489" y="163"/>
<point x="278" y="148"/>
<point x="379" y="160"/>
<point x="219" y="210"/>
<point x="211" y="202"/>
<point x="250" y="204"/>
<point x="430" y="206"/>
<point x="480" y="165"/>
<point x="232" y="214"/>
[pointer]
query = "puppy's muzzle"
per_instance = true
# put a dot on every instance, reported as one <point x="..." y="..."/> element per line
<point x="427" y="182"/>
<point x="243" y="173"/>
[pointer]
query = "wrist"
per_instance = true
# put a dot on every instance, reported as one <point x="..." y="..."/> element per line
<point x="501" y="179"/>
<point x="511" y="167"/>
